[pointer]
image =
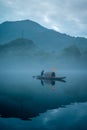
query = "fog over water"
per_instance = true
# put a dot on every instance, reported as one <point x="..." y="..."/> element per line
<point x="27" y="104"/>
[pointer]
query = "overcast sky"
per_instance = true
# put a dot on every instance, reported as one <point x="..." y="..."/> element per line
<point x="66" y="16"/>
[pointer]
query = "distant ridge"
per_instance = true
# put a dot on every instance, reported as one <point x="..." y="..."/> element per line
<point x="44" y="38"/>
<point x="18" y="46"/>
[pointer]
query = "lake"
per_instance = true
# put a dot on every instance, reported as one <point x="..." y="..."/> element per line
<point x="27" y="104"/>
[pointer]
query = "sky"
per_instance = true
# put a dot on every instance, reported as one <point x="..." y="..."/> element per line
<point x="65" y="16"/>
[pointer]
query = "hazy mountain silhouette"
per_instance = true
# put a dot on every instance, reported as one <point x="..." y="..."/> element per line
<point x="72" y="51"/>
<point x="27" y="42"/>
<point x="22" y="51"/>
<point x="18" y="47"/>
<point x="43" y="37"/>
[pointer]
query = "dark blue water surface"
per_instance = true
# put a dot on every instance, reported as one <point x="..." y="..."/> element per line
<point x="26" y="104"/>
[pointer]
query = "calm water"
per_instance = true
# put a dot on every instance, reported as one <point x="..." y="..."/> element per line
<point x="26" y="104"/>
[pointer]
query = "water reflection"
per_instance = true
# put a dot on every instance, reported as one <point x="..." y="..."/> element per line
<point x="51" y="82"/>
<point x="23" y="97"/>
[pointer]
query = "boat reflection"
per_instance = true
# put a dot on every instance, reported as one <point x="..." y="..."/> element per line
<point x="51" y="82"/>
<point x="49" y="78"/>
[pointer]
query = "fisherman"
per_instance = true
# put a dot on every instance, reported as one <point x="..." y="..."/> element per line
<point x="42" y="72"/>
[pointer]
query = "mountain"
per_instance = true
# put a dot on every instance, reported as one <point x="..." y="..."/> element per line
<point x="23" y="50"/>
<point x="46" y="39"/>
<point x="18" y="47"/>
<point x="72" y="51"/>
<point x="46" y="47"/>
<point x="18" y="29"/>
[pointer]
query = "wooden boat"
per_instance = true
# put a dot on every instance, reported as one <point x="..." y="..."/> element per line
<point x="49" y="78"/>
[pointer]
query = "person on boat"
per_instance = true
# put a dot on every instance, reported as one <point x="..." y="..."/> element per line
<point x="42" y="72"/>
